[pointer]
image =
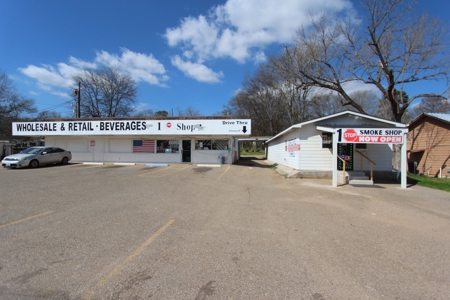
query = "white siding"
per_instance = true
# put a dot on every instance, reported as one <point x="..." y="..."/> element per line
<point x="74" y="145"/>
<point x="120" y="146"/>
<point x="113" y="149"/>
<point x="313" y="156"/>
<point x="279" y="154"/>
<point x="210" y="156"/>
<point x="77" y="145"/>
<point x="380" y="154"/>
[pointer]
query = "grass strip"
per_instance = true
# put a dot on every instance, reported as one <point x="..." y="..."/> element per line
<point x="431" y="182"/>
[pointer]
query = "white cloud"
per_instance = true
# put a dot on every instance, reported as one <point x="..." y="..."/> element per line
<point x="354" y="86"/>
<point x="61" y="94"/>
<point x="199" y="33"/>
<point x="196" y="70"/>
<point x="141" y="67"/>
<point x="81" y="64"/>
<point x="260" y="57"/>
<point x="235" y="28"/>
<point x="46" y="75"/>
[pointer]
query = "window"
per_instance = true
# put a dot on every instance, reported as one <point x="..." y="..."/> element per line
<point x="167" y="146"/>
<point x="211" y="145"/>
<point x="327" y="140"/>
<point x="361" y="146"/>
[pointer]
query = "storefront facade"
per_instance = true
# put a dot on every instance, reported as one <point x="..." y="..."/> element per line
<point x="209" y="141"/>
<point x="320" y="147"/>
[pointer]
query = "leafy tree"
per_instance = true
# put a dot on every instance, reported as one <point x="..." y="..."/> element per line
<point x="387" y="47"/>
<point x="106" y="92"/>
<point x="161" y="113"/>
<point x="13" y="106"/>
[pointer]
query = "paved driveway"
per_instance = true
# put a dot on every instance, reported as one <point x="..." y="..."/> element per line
<point x="234" y="232"/>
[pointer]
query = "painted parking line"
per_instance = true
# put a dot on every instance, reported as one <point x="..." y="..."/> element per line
<point x="108" y="277"/>
<point x="84" y="166"/>
<point x="25" y="219"/>
<point x="166" y="172"/>
<point x="156" y="169"/>
<point x="224" y="172"/>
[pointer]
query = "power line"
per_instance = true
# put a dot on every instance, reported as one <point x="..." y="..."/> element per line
<point x="51" y="108"/>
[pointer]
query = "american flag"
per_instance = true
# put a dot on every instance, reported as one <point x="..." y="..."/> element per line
<point x="147" y="146"/>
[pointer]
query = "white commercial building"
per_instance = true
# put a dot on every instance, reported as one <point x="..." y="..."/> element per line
<point x="321" y="147"/>
<point x="200" y="140"/>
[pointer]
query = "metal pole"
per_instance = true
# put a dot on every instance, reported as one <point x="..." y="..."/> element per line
<point x="79" y="101"/>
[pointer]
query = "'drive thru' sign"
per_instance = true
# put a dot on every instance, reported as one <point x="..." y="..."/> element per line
<point x="372" y="136"/>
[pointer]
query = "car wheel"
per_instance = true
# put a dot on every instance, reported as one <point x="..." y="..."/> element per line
<point x="34" y="163"/>
<point x="64" y="161"/>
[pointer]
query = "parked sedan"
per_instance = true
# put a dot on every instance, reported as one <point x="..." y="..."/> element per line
<point x="36" y="156"/>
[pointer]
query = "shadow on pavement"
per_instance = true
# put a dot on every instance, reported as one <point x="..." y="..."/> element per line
<point x="252" y="161"/>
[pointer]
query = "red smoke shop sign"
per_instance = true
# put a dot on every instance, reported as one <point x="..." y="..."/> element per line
<point x="371" y="135"/>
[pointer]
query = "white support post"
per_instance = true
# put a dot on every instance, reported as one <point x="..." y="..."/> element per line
<point x="335" y="142"/>
<point x="404" y="163"/>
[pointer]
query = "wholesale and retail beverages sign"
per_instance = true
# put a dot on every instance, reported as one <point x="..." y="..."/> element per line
<point x="134" y="127"/>
<point x="372" y="135"/>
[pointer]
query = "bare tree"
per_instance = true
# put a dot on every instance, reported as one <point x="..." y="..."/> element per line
<point x="45" y="114"/>
<point x="367" y="100"/>
<point x="387" y="48"/>
<point x="106" y="92"/>
<point x="188" y="112"/>
<point x="432" y="105"/>
<point x="323" y="104"/>
<point x="13" y="106"/>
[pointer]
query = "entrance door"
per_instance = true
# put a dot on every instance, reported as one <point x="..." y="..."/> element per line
<point x="345" y="151"/>
<point x="97" y="149"/>
<point x="186" y="151"/>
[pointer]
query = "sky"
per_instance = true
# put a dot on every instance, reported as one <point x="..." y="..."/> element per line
<point x="181" y="53"/>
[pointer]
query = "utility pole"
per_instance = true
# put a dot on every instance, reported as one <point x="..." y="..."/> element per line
<point x="79" y="100"/>
<point x="78" y="93"/>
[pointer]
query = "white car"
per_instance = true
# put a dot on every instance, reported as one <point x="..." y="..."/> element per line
<point x="36" y="156"/>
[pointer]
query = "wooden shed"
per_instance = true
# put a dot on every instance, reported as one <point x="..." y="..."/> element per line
<point x="429" y="145"/>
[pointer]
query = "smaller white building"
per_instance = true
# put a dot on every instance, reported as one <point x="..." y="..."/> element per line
<point x="201" y="140"/>
<point x="321" y="147"/>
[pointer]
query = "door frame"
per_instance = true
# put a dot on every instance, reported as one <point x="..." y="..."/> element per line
<point x="185" y="158"/>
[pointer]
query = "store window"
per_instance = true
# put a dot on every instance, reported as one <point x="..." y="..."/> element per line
<point x="327" y="140"/>
<point x="211" y="145"/>
<point x="167" y="146"/>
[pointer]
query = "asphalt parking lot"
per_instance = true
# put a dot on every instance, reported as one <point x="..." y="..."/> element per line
<point x="231" y="232"/>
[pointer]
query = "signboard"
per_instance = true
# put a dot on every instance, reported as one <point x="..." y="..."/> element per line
<point x="134" y="127"/>
<point x="372" y="135"/>
<point x="292" y="147"/>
